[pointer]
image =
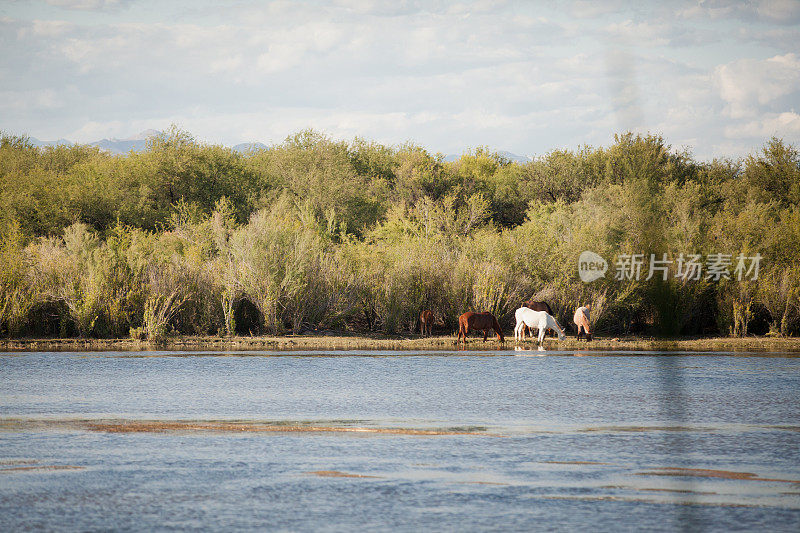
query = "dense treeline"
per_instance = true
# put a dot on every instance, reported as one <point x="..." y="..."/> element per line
<point x="315" y="233"/>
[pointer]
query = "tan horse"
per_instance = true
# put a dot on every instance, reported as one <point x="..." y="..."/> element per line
<point x="581" y="320"/>
<point x="426" y="323"/>
<point x="480" y="321"/>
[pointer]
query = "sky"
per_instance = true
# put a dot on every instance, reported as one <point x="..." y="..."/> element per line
<point x="715" y="77"/>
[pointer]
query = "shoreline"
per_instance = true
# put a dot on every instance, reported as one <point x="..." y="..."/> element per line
<point x="399" y="342"/>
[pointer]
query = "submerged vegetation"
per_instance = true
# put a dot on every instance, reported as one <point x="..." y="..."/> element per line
<point x="319" y="234"/>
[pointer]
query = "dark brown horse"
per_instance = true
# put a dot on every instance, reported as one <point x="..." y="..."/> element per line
<point x="426" y="322"/>
<point x="479" y="321"/>
<point x="537" y="306"/>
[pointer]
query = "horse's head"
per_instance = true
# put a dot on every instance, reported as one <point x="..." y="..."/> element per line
<point x="559" y="330"/>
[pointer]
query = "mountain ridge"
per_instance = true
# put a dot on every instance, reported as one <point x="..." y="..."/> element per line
<point x="138" y="143"/>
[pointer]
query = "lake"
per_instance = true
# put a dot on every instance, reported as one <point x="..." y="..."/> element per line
<point x="380" y="440"/>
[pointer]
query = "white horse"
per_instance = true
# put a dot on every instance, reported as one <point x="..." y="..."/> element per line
<point x="535" y="319"/>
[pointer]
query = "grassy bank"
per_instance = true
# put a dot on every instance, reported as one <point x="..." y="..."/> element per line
<point x="398" y="342"/>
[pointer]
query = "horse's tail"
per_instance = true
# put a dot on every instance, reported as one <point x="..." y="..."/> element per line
<point x="496" y="327"/>
<point x="462" y="327"/>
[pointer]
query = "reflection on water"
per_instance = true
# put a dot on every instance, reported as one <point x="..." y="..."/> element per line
<point x="538" y="351"/>
<point x="398" y="440"/>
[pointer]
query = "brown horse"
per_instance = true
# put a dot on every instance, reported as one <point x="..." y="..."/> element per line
<point x="536" y="306"/>
<point x="426" y="322"/>
<point x="479" y="321"/>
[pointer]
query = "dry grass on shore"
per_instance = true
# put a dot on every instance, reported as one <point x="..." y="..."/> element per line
<point x="404" y="342"/>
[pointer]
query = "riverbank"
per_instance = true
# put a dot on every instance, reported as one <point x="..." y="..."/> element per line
<point x="340" y="341"/>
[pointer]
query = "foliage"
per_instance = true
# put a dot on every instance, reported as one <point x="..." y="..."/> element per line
<point x="315" y="233"/>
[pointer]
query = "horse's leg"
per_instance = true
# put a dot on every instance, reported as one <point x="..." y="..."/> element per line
<point x="485" y="334"/>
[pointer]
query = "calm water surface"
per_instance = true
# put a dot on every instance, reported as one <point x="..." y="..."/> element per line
<point x="514" y="441"/>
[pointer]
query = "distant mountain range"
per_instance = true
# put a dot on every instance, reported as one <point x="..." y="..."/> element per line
<point x="502" y="153"/>
<point x="138" y="143"/>
<point x="246" y="147"/>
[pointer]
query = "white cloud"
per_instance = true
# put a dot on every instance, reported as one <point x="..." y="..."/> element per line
<point x="88" y="5"/>
<point x="590" y="9"/>
<point x="20" y="101"/>
<point x="227" y="64"/>
<point x="657" y="32"/>
<point x="384" y="7"/>
<point x="518" y="76"/>
<point x="639" y="33"/>
<point x="51" y="28"/>
<point x="780" y="11"/>
<point x="785" y="124"/>
<point x="94" y="130"/>
<point x="748" y="85"/>
<point x="79" y="51"/>
<point x="772" y="37"/>
<point x="714" y="9"/>
<point x="772" y="11"/>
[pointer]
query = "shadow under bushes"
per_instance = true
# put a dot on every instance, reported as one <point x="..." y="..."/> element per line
<point x="49" y="319"/>
<point x="247" y="317"/>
